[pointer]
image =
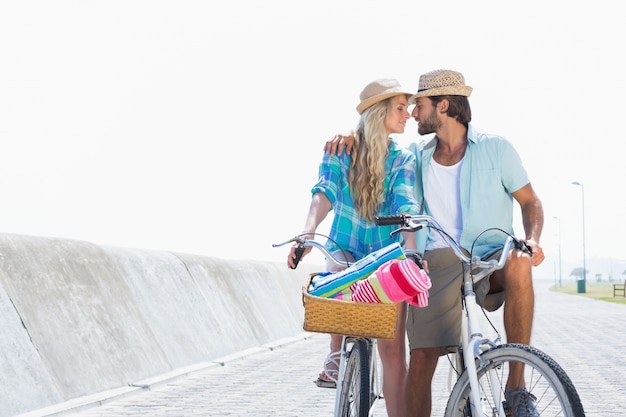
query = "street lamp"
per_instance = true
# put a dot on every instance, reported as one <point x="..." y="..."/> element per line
<point x="584" y="284"/>
<point x="559" y="220"/>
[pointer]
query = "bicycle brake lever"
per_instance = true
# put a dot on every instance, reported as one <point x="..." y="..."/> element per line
<point x="406" y="229"/>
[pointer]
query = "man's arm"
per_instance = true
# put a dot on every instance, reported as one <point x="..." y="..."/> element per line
<point x="532" y="219"/>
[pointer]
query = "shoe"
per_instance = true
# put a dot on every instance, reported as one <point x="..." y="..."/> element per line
<point x="323" y="383"/>
<point x="521" y="403"/>
<point x="328" y="377"/>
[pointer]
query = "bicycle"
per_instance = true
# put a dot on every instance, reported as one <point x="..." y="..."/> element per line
<point x="359" y="380"/>
<point x="481" y="364"/>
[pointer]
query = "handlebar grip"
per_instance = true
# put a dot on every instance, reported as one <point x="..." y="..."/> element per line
<point x="521" y="245"/>
<point x="296" y="259"/>
<point x="389" y="220"/>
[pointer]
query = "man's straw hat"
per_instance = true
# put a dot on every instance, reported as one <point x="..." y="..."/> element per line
<point x="379" y="90"/>
<point x="441" y="83"/>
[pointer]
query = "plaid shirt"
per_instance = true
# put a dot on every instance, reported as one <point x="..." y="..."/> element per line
<point x="351" y="232"/>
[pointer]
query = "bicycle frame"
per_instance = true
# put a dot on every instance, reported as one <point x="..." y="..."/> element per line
<point x="472" y="339"/>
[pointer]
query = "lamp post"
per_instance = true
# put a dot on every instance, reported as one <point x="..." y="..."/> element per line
<point x="584" y="283"/>
<point x="560" y="274"/>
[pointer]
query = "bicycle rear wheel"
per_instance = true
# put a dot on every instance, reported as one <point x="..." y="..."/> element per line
<point x="355" y="389"/>
<point x="553" y="390"/>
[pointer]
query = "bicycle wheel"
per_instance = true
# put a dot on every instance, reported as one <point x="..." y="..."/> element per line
<point x="355" y="395"/>
<point x="545" y="380"/>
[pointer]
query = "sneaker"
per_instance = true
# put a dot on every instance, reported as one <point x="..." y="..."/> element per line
<point x="521" y="403"/>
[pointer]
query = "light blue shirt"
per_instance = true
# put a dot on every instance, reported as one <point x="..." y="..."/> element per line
<point x="492" y="170"/>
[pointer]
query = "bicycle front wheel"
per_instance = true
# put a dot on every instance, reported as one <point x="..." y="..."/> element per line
<point x="553" y="391"/>
<point x="355" y="389"/>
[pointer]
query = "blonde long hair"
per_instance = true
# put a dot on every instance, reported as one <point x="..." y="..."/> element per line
<point x="367" y="169"/>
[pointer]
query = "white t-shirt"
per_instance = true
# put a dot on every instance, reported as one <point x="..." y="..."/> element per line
<point x="443" y="205"/>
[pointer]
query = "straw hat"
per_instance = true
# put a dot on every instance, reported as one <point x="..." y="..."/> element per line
<point x="379" y="90"/>
<point x="441" y="83"/>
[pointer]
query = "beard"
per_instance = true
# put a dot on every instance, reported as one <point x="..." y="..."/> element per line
<point x="430" y="124"/>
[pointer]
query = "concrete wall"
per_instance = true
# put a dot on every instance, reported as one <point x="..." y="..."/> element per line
<point x="78" y="318"/>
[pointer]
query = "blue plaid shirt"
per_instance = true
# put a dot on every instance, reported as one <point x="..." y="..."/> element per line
<point x="351" y="232"/>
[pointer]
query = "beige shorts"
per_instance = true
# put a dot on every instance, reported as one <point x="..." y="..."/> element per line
<point x="439" y="324"/>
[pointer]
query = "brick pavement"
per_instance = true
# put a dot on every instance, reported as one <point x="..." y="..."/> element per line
<point x="277" y="380"/>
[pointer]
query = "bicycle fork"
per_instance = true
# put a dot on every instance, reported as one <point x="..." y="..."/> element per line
<point x="474" y="342"/>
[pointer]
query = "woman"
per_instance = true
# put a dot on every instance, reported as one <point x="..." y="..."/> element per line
<point x="377" y="178"/>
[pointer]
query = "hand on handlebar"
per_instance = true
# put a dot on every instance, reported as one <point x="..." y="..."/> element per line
<point x="537" y="256"/>
<point x="296" y="253"/>
<point x="419" y="261"/>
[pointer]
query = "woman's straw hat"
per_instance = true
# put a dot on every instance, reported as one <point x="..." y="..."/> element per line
<point x="441" y="83"/>
<point x="379" y="90"/>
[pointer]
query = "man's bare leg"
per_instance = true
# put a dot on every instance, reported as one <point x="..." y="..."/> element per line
<point x="519" y="306"/>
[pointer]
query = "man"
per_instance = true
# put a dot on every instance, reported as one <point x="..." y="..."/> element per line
<point x="467" y="181"/>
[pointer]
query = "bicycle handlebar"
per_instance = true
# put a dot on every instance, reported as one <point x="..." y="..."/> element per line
<point x="416" y="222"/>
<point x="306" y="243"/>
<point x="412" y="223"/>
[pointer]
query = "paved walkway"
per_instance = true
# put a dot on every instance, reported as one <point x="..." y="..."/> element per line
<point x="586" y="337"/>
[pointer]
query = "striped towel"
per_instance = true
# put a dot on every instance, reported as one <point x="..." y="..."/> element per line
<point x="330" y="284"/>
<point x="394" y="282"/>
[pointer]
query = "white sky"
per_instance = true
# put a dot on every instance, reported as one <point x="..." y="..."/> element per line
<point x="197" y="126"/>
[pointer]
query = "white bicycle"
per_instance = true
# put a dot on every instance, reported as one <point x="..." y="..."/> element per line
<point x="481" y="364"/>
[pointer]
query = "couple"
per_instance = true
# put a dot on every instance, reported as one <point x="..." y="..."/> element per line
<point x="467" y="181"/>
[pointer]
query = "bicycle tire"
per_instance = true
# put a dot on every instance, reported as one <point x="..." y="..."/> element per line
<point x="545" y="379"/>
<point x="355" y="390"/>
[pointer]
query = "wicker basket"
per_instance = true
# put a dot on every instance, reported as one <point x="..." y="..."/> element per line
<point x="327" y="315"/>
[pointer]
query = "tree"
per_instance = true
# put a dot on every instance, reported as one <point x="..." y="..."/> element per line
<point x="578" y="273"/>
